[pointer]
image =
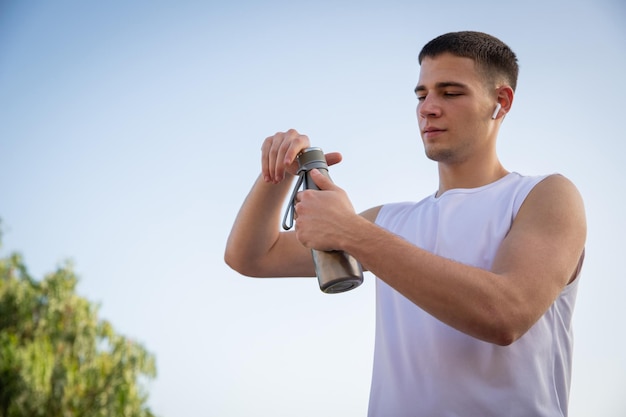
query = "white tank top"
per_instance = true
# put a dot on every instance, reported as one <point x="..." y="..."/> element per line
<point x="423" y="367"/>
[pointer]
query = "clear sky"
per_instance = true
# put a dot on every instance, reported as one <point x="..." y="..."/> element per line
<point x="130" y="133"/>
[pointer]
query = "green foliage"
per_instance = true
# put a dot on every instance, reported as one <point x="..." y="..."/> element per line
<point x="57" y="359"/>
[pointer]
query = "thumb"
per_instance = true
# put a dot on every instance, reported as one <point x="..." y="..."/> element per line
<point x="333" y="158"/>
<point x="322" y="181"/>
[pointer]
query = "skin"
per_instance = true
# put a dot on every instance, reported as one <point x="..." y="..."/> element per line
<point x="541" y="254"/>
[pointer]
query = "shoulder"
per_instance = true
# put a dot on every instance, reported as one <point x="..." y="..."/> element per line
<point x="371" y="213"/>
<point x="554" y="201"/>
<point x="547" y="237"/>
<point x="554" y="189"/>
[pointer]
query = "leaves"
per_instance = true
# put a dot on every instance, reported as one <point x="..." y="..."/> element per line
<point x="57" y="358"/>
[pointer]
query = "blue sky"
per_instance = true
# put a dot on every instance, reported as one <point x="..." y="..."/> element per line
<point x="130" y="133"/>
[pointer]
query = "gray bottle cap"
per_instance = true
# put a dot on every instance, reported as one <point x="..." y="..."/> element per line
<point x="311" y="158"/>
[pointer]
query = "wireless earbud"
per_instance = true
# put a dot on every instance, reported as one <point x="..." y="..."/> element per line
<point x="496" y="111"/>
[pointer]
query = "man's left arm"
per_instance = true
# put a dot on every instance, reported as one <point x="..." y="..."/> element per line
<point x="536" y="260"/>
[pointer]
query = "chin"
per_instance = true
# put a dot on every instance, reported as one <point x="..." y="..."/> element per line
<point x="439" y="155"/>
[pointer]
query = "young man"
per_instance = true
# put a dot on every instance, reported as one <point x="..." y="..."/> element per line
<point x="475" y="283"/>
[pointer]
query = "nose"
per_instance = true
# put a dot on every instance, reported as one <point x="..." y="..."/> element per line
<point x="428" y="107"/>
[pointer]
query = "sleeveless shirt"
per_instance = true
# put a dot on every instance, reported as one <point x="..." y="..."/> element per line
<point x="422" y="366"/>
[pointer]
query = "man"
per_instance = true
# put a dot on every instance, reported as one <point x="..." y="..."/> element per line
<point x="475" y="283"/>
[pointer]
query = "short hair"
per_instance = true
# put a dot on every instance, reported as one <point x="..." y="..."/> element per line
<point x="492" y="56"/>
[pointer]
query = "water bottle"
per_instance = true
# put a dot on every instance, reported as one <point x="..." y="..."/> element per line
<point x="336" y="271"/>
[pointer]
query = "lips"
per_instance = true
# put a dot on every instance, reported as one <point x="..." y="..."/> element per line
<point x="431" y="131"/>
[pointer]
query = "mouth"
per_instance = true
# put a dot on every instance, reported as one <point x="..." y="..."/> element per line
<point x="431" y="132"/>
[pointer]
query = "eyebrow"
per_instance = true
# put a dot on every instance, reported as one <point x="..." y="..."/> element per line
<point x="441" y="85"/>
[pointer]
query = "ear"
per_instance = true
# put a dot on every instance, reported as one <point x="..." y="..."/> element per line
<point x="504" y="99"/>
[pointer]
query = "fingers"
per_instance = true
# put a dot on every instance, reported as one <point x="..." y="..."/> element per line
<point x="279" y="152"/>
<point x="333" y="158"/>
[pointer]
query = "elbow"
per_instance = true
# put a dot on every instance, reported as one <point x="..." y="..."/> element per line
<point x="497" y="336"/>
<point x="231" y="261"/>
<point x="514" y="330"/>
<point x="239" y="263"/>
<point x="234" y="261"/>
<point x="237" y="266"/>
<point x="505" y="338"/>
<point x="501" y="336"/>
<point x="508" y="329"/>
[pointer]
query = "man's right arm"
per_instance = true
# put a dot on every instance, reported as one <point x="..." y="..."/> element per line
<point x="256" y="247"/>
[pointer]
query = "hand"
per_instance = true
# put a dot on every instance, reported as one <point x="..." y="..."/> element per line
<point x="279" y="152"/>
<point x="323" y="217"/>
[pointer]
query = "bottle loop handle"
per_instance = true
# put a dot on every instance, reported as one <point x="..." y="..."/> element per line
<point x="288" y="218"/>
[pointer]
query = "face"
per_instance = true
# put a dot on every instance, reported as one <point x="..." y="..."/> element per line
<point x="454" y="109"/>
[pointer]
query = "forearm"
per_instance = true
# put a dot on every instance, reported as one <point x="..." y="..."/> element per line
<point x="472" y="300"/>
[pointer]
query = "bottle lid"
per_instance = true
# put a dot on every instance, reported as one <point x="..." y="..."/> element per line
<point x="311" y="158"/>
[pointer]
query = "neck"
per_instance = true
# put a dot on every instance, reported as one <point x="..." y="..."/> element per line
<point x="469" y="175"/>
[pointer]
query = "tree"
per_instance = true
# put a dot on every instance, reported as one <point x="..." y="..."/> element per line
<point x="57" y="358"/>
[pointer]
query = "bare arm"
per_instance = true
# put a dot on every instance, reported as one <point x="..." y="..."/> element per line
<point x="256" y="247"/>
<point x="536" y="260"/>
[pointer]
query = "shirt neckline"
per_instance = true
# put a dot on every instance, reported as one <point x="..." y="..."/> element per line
<point x="453" y="191"/>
